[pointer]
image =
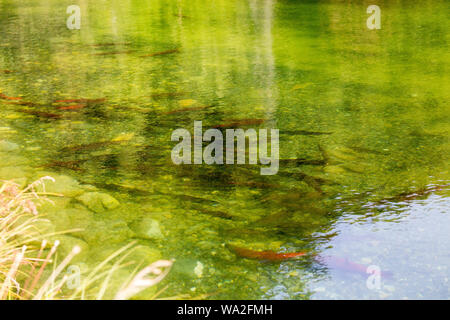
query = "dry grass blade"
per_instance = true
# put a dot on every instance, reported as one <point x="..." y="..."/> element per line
<point x="142" y="280"/>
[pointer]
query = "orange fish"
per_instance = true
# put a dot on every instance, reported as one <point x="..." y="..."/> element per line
<point x="73" y="107"/>
<point x="265" y="255"/>
<point x="3" y="96"/>
<point x="81" y="100"/>
<point x="23" y="103"/>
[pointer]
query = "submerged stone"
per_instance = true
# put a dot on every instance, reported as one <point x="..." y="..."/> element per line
<point x="99" y="232"/>
<point x="6" y="146"/>
<point x="188" y="267"/>
<point x="43" y="227"/>
<point x="65" y="185"/>
<point x="7" y="159"/>
<point x="145" y="255"/>
<point x="10" y="173"/>
<point x="79" y="218"/>
<point x="52" y="205"/>
<point x="98" y="201"/>
<point x="148" y="228"/>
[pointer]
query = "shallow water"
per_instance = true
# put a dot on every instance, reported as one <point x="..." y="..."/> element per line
<point x="368" y="107"/>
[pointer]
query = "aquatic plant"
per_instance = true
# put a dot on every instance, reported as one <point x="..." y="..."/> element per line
<point x="26" y="255"/>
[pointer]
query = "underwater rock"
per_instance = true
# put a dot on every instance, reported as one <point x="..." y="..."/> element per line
<point x="98" y="201"/>
<point x="6" y="146"/>
<point x="148" y="228"/>
<point x="59" y="219"/>
<point x="14" y="174"/>
<point x="145" y="255"/>
<point x="99" y="232"/>
<point x="54" y="205"/>
<point x="198" y="270"/>
<point x="10" y="173"/>
<point x="43" y="227"/>
<point x="79" y="218"/>
<point x="8" y="159"/>
<point x="65" y="185"/>
<point x="188" y="267"/>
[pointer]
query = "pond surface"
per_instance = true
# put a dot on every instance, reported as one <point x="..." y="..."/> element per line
<point x="364" y="139"/>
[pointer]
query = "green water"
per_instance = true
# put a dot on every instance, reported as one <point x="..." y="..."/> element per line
<point x="368" y="107"/>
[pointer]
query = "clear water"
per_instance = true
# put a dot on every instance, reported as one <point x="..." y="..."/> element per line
<point x="380" y="98"/>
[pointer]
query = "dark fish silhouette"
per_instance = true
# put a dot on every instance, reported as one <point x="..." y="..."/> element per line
<point x="161" y="53"/>
<point x="239" y="123"/>
<point x="409" y="196"/>
<point x="366" y="150"/>
<point x="254" y="184"/>
<point x="72" y="164"/>
<point x="215" y="213"/>
<point x="41" y="114"/>
<point x="91" y="146"/>
<point x="304" y="132"/>
<point x="164" y="95"/>
<point x="299" y="162"/>
<point x="122" y="189"/>
<point x="182" y="16"/>
<point x="110" y="44"/>
<point x="24" y="103"/>
<point x="6" y="71"/>
<point x="112" y="53"/>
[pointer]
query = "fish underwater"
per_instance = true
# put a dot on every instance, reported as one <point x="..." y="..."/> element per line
<point x="112" y="53"/>
<point x="72" y="107"/>
<point x="110" y="44"/>
<point x="5" y="97"/>
<point x="81" y="100"/>
<point x="238" y="123"/>
<point x="155" y="54"/>
<point x="266" y="255"/>
<point x="345" y="265"/>
<point x="41" y="114"/>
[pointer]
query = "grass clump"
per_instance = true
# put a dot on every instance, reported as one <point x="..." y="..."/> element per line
<point x="28" y="259"/>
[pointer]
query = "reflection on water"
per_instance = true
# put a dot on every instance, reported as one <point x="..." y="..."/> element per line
<point x="363" y="122"/>
<point x="414" y="249"/>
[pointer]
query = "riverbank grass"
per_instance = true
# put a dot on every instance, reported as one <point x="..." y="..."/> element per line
<point x="29" y="266"/>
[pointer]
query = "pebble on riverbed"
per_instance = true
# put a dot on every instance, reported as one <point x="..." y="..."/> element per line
<point x="147" y="228"/>
<point x="6" y="146"/>
<point x="98" y="201"/>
